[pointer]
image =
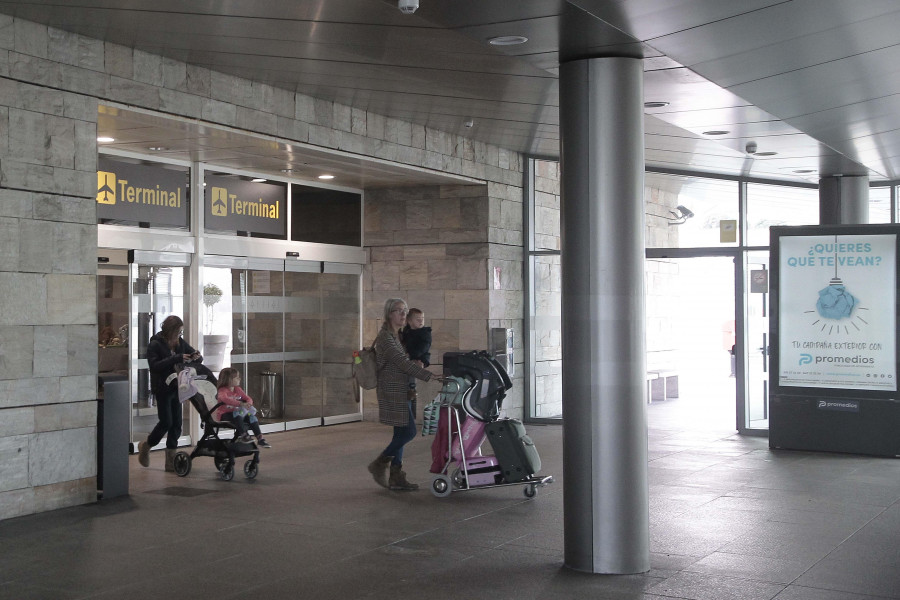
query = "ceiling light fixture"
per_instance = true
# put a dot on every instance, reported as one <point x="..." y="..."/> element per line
<point x="287" y="170"/>
<point x="258" y="180"/>
<point x="326" y="176"/>
<point x="716" y="132"/>
<point x="105" y="139"/>
<point x="655" y="104"/>
<point x="157" y="148"/>
<point x="507" y="40"/>
<point x="804" y="171"/>
<point x="765" y="154"/>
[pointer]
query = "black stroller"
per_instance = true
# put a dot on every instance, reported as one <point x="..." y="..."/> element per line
<point x="199" y="385"/>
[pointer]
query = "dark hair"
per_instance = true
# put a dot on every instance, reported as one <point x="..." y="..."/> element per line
<point x="170" y="327"/>
<point x="414" y="311"/>
<point x="226" y="375"/>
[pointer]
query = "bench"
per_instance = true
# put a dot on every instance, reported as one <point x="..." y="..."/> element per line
<point x="662" y="384"/>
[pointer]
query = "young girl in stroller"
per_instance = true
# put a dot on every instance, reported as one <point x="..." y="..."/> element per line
<point x="237" y="407"/>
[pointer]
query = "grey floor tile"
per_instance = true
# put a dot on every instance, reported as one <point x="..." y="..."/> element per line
<point x="729" y="518"/>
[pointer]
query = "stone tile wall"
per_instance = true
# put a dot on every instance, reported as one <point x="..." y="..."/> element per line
<point x="51" y="83"/>
<point x="437" y="247"/>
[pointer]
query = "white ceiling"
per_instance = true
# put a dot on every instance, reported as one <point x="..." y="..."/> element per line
<point x="815" y="81"/>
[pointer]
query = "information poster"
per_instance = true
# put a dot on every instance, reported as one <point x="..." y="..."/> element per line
<point x="837" y="311"/>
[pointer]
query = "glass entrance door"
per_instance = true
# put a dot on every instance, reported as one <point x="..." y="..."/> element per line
<point x="756" y="348"/>
<point x="290" y="328"/>
<point x="690" y="334"/>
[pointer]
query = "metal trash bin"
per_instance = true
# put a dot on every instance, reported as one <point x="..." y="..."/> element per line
<point x="268" y="399"/>
<point x="113" y="422"/>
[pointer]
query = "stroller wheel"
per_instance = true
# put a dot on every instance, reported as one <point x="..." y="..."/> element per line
<point x="251" y="469"/>
<point x="440" y="486"/>
<point x="220" y="462"/>
<point x="182" y="464"/>
<point x="530" y="491"/>
<point x="227" y="472"/>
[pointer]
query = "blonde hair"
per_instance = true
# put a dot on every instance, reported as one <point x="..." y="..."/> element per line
<point x="226" y="375"/>
<point x="389" y="306"/>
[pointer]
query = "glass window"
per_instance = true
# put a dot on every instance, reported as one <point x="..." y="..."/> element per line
<point x="879" y="205"/>
<point x="326" y="216"/>
<point x="769" y="205"/>
<point x="546" y="205"/>
<point x="547" y="336"/>
<point x="690" y="212"/>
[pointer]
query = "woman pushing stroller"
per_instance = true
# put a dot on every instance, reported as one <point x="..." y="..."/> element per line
<point x="165" y="352"/>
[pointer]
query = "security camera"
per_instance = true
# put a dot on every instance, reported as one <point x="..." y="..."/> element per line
<point x="750" y="147"/>
<point x="686" y="213"/>
<point x="408" y="7"/>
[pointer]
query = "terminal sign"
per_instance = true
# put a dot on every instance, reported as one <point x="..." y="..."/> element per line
<point x="131" y="193"/>
<point x="233" y="204"/>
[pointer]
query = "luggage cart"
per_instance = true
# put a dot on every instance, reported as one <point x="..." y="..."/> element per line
<point x="470" y="472"/>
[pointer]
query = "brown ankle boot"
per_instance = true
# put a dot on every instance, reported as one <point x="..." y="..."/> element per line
<point x="170" y="459"/>
<point x="378" y="469"/>
<point x="398" y="480"/>
<point x="144" y="454"/>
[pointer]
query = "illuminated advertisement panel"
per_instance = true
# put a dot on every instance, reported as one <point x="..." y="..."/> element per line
<point x="837" y="311"/>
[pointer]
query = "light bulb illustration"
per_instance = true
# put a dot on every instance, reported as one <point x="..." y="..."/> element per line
<point x="836" y="303"/>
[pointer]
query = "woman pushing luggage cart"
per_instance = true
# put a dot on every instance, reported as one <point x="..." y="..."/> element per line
<point x="476" y="385"/>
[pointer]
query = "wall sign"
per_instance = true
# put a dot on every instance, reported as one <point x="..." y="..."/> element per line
<point x="837" y="311"/>
<point x="133" y="193"/>
<point x="233" y="204"/>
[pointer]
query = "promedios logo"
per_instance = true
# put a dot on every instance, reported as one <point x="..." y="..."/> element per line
<point x="806" y="359"/>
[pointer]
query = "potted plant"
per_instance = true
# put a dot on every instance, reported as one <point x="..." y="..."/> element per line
<point x="213" y="345"/>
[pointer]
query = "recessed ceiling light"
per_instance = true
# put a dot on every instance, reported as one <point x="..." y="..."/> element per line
<point x="258" y="180"/>
<point x="157" y="148"/>
<point x="507" y="40"/>
<point x="326" y="176"/>
<point x="655" y="104"/>
<point x="765" y="154"/>
<point x="287" y="170"/>
<point x="105" y="139"/>
<point x="716" y="132"/>
<point x="804" y="171"/>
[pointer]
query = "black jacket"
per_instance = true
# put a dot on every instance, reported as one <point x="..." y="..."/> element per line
<point x="417" y="343"/>
<point x="163" y="360"/>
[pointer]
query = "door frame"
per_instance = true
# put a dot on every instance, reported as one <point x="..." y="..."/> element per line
<point x="738" y="255"/>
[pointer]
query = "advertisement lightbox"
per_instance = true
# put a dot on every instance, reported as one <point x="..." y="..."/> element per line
<point x="834" y="308"/>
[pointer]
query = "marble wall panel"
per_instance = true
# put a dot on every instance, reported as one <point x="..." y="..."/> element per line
<point x="16" y="421"/>
<point x="65" y="455"/>
<point x="14" y="453"/>
<point x="57" y="417"/>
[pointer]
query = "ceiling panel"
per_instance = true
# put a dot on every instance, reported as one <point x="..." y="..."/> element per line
<point x="816" y="81"/>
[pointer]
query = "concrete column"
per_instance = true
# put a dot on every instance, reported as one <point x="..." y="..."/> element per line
<point x="844" y="200"/>
<point x="604" y="408"/>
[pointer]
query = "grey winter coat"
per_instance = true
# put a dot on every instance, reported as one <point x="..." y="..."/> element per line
<point x="394" y="369"/>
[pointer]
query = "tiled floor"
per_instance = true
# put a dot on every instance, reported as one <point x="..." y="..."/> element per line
<point x="729" y="520"/>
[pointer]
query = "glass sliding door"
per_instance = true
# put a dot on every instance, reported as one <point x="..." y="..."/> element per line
<point x="303" y="344"/>
<point x="290" y="328"/>
<point x="158" y="282"/>
<point x="341" y="299"/>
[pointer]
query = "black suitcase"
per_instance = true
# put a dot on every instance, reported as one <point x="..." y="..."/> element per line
<point x="514" y="450"/>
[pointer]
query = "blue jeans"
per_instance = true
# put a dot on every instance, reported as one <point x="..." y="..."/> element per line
<point x="402" y="436"/>
<point x="169" y="410"/>
<point x="240" y="424"/>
